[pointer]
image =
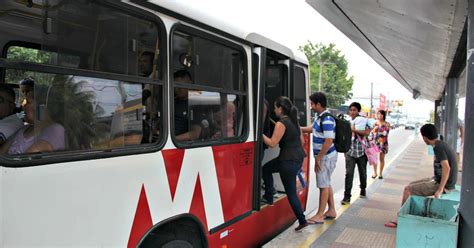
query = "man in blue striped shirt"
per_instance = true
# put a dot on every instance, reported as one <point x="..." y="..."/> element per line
<point x="325" y="154"/>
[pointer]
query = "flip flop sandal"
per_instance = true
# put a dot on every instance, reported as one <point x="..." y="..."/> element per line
<point x="329" y="217"/>
<point x="391" y="224"/>
<point x="313" y="222"/>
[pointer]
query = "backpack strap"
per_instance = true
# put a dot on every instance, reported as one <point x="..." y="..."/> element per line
<point x="321" y="120"/>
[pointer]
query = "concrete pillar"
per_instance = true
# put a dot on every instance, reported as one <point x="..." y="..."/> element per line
<point x="451" y="110"/>
<point x="466" y="210"/>
<point x="437" y="112"/>
<point x="442" y="123"/>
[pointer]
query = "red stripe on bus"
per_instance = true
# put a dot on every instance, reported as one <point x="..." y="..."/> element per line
<point x="173" y="162"/>
<point x="142" y="221"/>
<point x="197" y="204"/>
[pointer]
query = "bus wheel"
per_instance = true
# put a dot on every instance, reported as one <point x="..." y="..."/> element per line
<point x="178" y="243"/>
<point x="175" y="234"/>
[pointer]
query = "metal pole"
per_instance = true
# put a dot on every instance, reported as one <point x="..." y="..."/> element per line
<point x="443" y="116"/>
<point x="371" y="98"/>
<point x="466" y="211"/>
<point x="321" y="64"/>
<point x="437" y="112"/>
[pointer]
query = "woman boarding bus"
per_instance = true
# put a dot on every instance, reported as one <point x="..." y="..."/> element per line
<point x="123" y="178"/>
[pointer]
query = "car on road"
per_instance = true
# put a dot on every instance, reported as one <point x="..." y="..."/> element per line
<point x="410" y="125"/>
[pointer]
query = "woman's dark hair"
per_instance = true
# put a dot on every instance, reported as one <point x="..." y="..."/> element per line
<point x="356" y="105"/>
<point x="429" y="131"/>
<point x="383" y="113"/>
<point x="28" y="81"/>
<point x="183" y="73"/>
<point x="319" y="97"/>
<point x="289" y="109"/>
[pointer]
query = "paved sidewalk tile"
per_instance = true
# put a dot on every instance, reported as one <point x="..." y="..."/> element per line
<point x="383" y="204"/>
<point x="385" y="198"/>
<point x="375" y="214"/>
<point x="364" y="238"/>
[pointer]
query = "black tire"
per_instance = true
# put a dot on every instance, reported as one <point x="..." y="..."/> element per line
<point x="181" y="234"/>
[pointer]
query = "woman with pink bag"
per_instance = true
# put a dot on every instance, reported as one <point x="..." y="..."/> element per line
<point x="380" y="134"/>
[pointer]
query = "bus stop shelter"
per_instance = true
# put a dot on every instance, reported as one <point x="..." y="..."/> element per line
<point x="426" y="46"/>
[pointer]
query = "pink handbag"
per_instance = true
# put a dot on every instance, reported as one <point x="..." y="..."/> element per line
<point x="372" y="151"/>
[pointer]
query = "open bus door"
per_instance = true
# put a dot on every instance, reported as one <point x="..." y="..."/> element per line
<point x="271" y="77"/>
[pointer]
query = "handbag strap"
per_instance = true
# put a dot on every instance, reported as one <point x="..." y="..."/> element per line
<point x="362" y="142"/>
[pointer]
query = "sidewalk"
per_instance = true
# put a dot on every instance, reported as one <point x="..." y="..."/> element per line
<point x="362" y="223"/>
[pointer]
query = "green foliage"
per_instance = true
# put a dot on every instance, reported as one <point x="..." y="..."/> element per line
<point x="31" y="55"/>
<point x="335" y="81"/>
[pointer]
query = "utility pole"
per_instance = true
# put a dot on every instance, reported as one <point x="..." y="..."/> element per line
<point x="321" y="66"/>
<point x="371" y="98"/>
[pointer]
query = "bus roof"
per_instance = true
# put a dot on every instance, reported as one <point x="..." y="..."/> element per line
<point x="301" y="57"/>
<point x="208" y="19"/>
<point x="268" y="43"/>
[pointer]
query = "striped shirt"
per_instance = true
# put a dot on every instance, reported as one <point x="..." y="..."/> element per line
<point x="328" y="132"/>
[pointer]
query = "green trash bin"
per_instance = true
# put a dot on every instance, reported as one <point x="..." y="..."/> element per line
<point x="427" y="222"/>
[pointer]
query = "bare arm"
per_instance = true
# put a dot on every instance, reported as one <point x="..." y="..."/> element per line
<point x="307" y="129"/>
<point x="40" y="146"/>
<point x="302" y="139"/>
<point x="445" y="169"/>
<point x="193" y="134"/>
<point x="364" y="132"/>
<point x="276" y="137"/>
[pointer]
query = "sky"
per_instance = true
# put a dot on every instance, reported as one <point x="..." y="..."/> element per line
<point x="293" y="23"/>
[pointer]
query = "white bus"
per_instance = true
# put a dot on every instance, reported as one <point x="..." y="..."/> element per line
<point x="152" y="118"/>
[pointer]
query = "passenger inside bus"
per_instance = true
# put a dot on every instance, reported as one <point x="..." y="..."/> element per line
<point x="41" y="133"/>
<point x="10" y="123"/>
<point x="146" y="68"/>
<point x="225" y="120"/>
<point x="181" y="118"/>
<point x="145" y="64"/>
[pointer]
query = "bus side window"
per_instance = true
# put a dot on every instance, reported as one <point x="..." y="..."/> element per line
<point x="216" y="89"/>
<point x="95" y="113"/>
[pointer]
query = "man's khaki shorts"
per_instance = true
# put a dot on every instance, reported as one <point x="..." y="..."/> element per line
<point x="423" y="187"/>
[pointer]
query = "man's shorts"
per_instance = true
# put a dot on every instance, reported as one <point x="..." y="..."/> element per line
<point x="423" y="187"/>
<point x="323" y="178"/>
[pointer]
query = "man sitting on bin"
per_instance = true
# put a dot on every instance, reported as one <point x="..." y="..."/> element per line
<point x="445" y="170"/>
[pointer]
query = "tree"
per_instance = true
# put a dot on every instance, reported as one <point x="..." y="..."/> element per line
<point x="335" y="81"/>
<point x="15" y="53"/>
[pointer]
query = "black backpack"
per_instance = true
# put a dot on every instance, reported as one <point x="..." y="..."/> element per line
<point x="343" y="131"/>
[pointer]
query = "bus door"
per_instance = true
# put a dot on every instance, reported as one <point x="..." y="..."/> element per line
<point x="299" y="96"/>
<point x="270" y="75"/>
<point x="276" y="85"/>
